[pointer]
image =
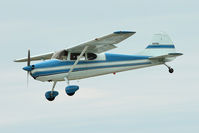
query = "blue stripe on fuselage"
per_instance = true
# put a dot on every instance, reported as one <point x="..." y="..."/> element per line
<point x="51" y="72"/>
<point x="109" y="58"/>
<point x="120" y="57"/>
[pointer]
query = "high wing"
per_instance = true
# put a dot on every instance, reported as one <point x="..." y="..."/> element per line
<point x="37" y="57"/>
<point x="104" y="43"/>
<point x="97" y="45"/>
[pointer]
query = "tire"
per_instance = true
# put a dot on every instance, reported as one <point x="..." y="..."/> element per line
<point x="171" y="70"/>
<point x="70" y="94"/>
<point x="51" y="98"/>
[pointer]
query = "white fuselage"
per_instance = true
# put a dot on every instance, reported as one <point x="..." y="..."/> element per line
<point x="57" y="70"/>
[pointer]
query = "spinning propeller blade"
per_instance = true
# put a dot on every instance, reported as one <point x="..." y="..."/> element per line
<point x="28" y="64"/>
<point x="28" y="73"/>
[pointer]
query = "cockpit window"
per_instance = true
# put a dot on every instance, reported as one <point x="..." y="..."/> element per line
<point x="74" y="56"/>
<point x="61" y="55"/>
<point x="89" y="56"/>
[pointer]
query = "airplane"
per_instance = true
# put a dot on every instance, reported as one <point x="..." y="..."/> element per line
<point x="89" y="59"/>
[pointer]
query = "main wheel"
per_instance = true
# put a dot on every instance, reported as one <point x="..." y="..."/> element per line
<point x="50" y="98"/>
<point x="171" y="70"/>
<point x="70" y="94"/>
<point x="71" y="89"/>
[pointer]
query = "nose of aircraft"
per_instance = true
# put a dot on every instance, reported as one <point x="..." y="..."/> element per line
<point x="28" y="68"/>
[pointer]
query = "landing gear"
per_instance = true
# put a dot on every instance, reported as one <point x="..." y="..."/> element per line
<point x="170" y="69"/>
<point x="50" y="95"/>
<point x="70" y="94"/>
<point x="51" y="99"/>
<point x="70" y="89"/>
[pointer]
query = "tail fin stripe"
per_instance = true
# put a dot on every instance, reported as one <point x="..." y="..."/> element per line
<point x="160" y="46"/>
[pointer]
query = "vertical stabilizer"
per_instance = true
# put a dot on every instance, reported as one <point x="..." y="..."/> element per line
<point x="161" y="44"/>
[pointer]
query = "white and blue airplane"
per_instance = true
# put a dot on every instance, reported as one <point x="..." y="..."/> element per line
<point x="89" y="60"/>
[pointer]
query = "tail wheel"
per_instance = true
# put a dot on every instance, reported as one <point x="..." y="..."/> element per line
<point x="171" y="70"/>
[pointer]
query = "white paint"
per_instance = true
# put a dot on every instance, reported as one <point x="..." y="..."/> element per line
<point x="96" y="72"/>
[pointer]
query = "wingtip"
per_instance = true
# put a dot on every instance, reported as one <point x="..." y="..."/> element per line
<point x="124" y="32"/>
<point x="16" y="60"/>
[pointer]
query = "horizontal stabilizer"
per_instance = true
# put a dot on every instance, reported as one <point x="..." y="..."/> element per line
<point x="163" y="57"/>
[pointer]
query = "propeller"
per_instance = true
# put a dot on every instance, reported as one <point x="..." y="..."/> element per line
<point x="28" y="64"/>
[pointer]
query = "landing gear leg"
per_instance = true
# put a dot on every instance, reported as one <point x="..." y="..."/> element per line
<point x="170" y="69"/>
<point x="67" y="81"/>
<point x="55" y="82"/>
<point x="50" y="95"/>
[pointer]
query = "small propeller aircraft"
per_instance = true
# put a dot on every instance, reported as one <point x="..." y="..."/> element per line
<point x="89" y="60"/>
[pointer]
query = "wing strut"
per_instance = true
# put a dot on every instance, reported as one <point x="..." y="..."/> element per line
<point x="79" y="57"/>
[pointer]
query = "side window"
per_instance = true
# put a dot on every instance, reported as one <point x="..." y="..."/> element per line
<point x="91" y="56"/>
<point x="74" y="56"/>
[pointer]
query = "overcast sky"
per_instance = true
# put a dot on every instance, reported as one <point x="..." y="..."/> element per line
<point x="146" y="100"/>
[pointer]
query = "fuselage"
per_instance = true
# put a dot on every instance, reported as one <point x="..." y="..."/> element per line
<point x="57" y="70"/>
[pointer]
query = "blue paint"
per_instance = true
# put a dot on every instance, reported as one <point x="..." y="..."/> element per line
<point x="109" y="58"/>
<point x="50" y="94"/>
<point x="160" y="46"/>
<point x="52" y="72"/>
<point x="57" y="63"/>
<point x="121" y="57"/>
<point x="71" y="89"/>
<point x="124" y="32"/>
<point x="27" y="68"/>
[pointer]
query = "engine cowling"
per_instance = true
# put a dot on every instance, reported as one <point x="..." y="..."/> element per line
<point x="71" y="89"/>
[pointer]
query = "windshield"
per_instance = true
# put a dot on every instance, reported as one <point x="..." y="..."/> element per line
<point x="61" y="55"/>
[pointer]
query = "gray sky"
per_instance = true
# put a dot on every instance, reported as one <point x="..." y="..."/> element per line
<point x="145" y="100"/>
